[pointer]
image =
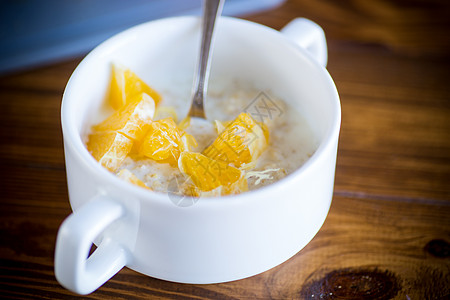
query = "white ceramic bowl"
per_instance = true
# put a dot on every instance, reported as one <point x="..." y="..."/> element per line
<point x="217" y="239"/>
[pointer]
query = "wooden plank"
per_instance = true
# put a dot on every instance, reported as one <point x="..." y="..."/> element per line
<point x="409" y="27"/>
<point x="395" y="137"/>
<point x="387" y="248"/>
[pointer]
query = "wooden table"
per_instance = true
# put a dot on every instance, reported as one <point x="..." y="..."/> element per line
<point x="387" y="235"/>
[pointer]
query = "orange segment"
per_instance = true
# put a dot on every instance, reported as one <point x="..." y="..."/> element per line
<point x="131" y="178"/>
<point x="236" y="188"/>
<point x="185" y="123"/>
<point x="220" y="126"/>
<point x="162" y="141"/>
<point x="188" y="142"/>
<point x="125" y="85"/>
<point x="210" y="175"/>
<point x="109" y="148"/>
<point x="241" y="142"/>
<point x="131" y="120"/>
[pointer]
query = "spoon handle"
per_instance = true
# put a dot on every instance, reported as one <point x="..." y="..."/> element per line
<point x="211" y="9"/>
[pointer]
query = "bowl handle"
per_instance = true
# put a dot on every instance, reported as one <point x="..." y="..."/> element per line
<point x="74" y="268"/>
<point x="308" y="35"/>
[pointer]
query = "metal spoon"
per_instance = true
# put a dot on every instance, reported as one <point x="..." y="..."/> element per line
<point x="211" y="10"/>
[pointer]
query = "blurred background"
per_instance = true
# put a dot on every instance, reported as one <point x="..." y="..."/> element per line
<point x="45" y="31"/>
<point x="33" y="33"/>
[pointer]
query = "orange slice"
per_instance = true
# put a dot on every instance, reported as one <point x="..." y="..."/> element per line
<point x="131" y="120"/>
<point x="109" y="148"/>
<point x="188" y="142"/>
<point x="125" y="85"/>
<point x="241" y="142"/>
<point x="131" y="178"/>
<point x="185" y="123"/>
<point x="164" y="141"/>
<point x="212" y="177"/>
<point x="219" y="126"/>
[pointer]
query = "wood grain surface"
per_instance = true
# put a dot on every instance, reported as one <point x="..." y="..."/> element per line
<point x="387" y="235"/>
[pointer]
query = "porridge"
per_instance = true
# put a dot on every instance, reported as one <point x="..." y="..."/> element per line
<point x="251" y="139"/>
